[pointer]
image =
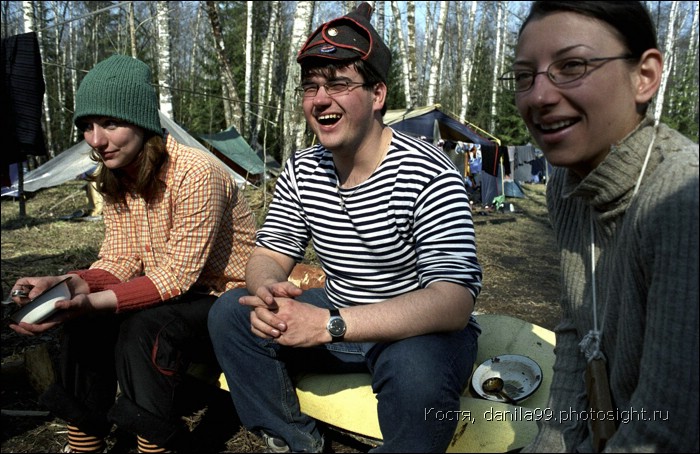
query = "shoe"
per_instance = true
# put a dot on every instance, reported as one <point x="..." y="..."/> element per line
<point x="89" y="218"/>
<point x="67" y="448"/>
<point x="273" y="444"/>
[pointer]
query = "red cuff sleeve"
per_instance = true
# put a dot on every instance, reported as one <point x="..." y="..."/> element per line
<point x="138" y="293"/>
<point x="97" y="279"/>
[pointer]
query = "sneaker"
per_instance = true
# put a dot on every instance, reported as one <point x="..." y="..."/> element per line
<point x="67" y="448"/>
<point x="273" y="444"/>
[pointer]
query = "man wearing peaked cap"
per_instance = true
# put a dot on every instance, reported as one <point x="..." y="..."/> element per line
<point x="390" y="222"/>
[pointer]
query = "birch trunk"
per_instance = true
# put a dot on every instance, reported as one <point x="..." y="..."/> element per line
<point x="294" y="123"/>
<point x="468" y="63"/>
<point x="379" y="18"/>
<point x="132" y="30"/>
<point x="404" y="53"/>
<point x="669" y="58"/>
<point x="232" y="104"/>
<point x="60" y="71"/>
<point x="164" y="77"/>
<point x="411" y="55"/>
<point x="266" y="70"/>
<point x="249" y="126"/>
<point x="690" y="78"/>
<point x="73" y="77"/>
<point x="192" y="63"/>
<point x="496" y="63"/>
<point x="437" y="54"/>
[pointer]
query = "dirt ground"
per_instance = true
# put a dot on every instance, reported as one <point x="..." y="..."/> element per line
<point x="515" y="248"/>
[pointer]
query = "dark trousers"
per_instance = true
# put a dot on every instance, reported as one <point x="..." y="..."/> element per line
<point x="146" y="352"/>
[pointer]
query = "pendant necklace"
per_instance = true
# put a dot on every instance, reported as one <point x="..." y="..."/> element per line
<point x="343" y="199"/>
<point x="596" y="376"/>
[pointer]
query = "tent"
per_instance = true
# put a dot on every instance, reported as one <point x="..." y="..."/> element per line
<point x="434" y="124"/>
<point x="76" y="161"/>
<point x="231" y="148"/>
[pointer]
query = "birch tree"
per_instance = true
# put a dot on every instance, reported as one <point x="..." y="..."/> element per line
<point x="467" y="64"/>
<point x="497" y="62"/>
<point x="58" y="11"/>
<point x="669" y="57"/>
<point x="249" y="127"/>
<point x="411" y="56"/>
<point x="164" y="79"/>
<point x="266" y="68"/>
<point x="437" y="54"/>
<point x="294" y="123"/>
<point x="407" y="89"/>
<point x="379" y="17"/>
<point x="232" y="105"/>
<point x="73" y="76"/>
<point x="132" y="30"/>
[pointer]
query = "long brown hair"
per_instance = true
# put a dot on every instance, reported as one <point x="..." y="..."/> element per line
<point x="114" y="184"/>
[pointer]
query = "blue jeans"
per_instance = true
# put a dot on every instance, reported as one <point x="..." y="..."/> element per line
<point x="413" y="378"/>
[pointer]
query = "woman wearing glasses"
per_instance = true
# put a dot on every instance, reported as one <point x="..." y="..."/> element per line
<point x="623" y="201"/>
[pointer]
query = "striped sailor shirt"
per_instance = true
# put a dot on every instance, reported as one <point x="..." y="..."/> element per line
<point x="409" y="224"/>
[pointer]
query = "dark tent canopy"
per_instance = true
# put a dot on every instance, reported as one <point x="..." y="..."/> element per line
<point x="434" y="124"/>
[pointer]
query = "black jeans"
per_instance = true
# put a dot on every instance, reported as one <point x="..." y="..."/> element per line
<point x="146" y="352"/>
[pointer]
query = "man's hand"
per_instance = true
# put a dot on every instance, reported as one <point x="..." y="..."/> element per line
<point x="290" y="323"/>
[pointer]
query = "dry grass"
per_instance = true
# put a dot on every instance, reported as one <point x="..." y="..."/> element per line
<point x="516" y="251"/>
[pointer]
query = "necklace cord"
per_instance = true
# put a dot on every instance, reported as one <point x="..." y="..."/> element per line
<point x="591" y="342"/>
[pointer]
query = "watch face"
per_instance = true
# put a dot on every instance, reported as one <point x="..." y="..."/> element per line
<point x="336" y="326"/>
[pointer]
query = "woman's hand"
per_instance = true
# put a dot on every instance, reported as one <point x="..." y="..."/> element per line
<point x="67" y="309"/>
<point x="29" y="288"/>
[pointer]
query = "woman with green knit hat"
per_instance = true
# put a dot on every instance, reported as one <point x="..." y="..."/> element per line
<point x="178" y="233"/>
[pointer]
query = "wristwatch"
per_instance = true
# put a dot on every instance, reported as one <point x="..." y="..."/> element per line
<point x="336" y="326"/>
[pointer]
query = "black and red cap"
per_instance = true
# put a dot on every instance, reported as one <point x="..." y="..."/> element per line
<point x="348" y="38"/>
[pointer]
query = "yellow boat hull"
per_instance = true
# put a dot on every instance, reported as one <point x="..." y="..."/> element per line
<point x="483" y="425"/>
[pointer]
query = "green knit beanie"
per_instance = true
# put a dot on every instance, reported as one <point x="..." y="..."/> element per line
<point x="119" y="87"/>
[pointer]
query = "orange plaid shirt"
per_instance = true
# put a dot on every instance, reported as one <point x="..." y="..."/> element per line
<point x="197" y="236"/>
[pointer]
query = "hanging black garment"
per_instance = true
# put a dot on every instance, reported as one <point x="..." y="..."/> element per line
<point x="490" y="160"/>
<point x="22" y="95"/>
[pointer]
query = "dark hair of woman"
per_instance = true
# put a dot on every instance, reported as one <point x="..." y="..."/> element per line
<point x="115" y="184"/>
<point x="630" y="19"/>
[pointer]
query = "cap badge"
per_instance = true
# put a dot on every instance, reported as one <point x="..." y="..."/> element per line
<point x="332" y="32"/>
<point x="327" y="49"/>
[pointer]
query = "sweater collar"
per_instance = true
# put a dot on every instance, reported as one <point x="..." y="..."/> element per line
<point x="609" y="186"/>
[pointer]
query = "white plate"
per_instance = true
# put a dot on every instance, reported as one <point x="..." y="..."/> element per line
<point x="520" y="374"/>
<point x="42" y="307"/>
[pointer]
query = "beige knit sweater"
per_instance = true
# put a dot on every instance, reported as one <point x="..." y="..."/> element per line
<point x="647" y="294"/>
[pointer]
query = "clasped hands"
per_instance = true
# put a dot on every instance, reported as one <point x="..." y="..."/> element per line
<point x="276" y="315"/>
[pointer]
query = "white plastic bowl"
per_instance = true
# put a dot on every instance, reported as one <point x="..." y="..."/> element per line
<point x="42" y="307"/>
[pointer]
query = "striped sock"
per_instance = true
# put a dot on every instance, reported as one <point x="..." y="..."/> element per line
<point x="146" y="446"/>
<point x="79" y="441"/>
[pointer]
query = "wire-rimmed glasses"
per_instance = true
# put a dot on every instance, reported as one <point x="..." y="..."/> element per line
<point x="334" y="87"/>
<point x="559" y="72"/>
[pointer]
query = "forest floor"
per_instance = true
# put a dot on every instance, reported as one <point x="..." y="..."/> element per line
<point x="516" y="250"/>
